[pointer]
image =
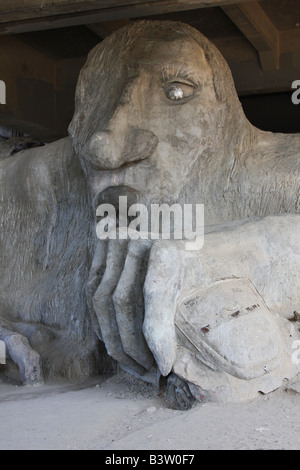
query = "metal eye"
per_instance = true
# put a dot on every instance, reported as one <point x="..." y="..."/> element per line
<point x="177" y="91"/>
<point x="174" y="92"/>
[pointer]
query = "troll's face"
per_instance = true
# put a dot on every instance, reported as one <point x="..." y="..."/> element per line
<point x="150" y="111"/>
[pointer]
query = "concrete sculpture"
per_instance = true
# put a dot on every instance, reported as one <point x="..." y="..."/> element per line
<point x="157" y="119"/>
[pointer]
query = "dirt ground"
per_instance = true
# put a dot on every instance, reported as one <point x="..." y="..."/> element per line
<point x="122" y="413"/>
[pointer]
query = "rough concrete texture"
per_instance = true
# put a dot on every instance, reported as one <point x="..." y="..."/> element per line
<point x="157" y="119"/>
<point x="44" y="263"/>
<point x="225" y="325"/>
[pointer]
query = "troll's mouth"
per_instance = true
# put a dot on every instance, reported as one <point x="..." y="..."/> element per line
<point x="112" y="194"/>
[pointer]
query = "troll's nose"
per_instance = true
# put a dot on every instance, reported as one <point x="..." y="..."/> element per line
<point x="108" y="150"/>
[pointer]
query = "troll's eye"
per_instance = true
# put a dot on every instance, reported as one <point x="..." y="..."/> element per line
<point x="177" y="91"/>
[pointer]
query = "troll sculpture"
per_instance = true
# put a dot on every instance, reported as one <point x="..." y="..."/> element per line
<point x="157" y="119"/>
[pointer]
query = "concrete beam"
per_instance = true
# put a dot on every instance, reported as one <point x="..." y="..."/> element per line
<point x="257" y="27"/>
<point x="17" y="16"/>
